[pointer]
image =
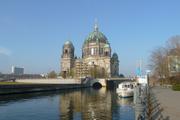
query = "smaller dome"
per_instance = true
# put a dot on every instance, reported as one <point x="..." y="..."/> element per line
<point x="115" y="56"/>
<point x="68" y="43"/>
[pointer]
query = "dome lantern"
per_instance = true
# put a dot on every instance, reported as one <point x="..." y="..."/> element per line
<point x="96" y="27"/>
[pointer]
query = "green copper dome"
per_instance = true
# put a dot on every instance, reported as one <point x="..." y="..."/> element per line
<point x="96" y="36"/>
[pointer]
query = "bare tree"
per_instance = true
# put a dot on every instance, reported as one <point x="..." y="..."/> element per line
<point x="158" y="62"/>
<point x="173" y="45"/>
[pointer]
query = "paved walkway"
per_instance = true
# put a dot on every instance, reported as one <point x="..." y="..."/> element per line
<point x="170" y="101"/>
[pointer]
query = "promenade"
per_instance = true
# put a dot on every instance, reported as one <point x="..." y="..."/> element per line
<point x="170" y="102"/>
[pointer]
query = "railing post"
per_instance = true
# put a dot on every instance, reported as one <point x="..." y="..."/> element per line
<point x="139" y="107"/>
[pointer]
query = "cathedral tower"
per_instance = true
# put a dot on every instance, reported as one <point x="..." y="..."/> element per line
<point x="114" y="65"/>
<point x="67" y="58"/>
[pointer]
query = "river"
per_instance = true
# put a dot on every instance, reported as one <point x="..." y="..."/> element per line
<point x="80" y="104"/>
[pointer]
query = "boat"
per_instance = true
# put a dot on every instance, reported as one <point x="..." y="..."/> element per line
<point x="142" y="80"/>
<point x="125" y="89"/>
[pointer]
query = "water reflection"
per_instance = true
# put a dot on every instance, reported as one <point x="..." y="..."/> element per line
<point x="84" y="104"/>
<point x="89" y="104"/>
<point x="125" y="101"/>
<point x="95" y="105"/>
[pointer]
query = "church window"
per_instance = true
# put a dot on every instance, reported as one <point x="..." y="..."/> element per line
<point x="66" y="51"/>
<point x="92" y="51"/>
<point x="95" y="51"/>
<point x="106" y="53"/>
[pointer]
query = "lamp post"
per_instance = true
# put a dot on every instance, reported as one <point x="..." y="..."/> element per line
<point x="147" y="73"/>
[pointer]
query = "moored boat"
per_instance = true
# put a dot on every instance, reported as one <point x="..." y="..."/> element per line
<point x="125" y="89"/>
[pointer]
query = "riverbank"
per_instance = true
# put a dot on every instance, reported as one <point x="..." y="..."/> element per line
<point x="169" y="100"/>
<point x="8" y="88"/>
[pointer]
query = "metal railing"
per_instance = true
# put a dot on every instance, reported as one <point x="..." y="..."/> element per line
<point x="147" y="107"/>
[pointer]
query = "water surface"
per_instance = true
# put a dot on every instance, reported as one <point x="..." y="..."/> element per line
<point x="83" y="104"/>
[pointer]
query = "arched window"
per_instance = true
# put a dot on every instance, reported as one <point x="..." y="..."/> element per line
<point x="92" y="51"/>
<point x="65" y="51"/>
<point x="106" y="53"/>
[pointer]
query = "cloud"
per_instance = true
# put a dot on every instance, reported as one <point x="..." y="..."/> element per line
<point x="5" y="51"/>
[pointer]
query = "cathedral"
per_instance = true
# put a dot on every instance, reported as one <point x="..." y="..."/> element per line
<point x="96" y="60"/>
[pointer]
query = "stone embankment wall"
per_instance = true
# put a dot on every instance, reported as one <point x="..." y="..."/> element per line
<point x="50" y="81"/>
<point x="40" y="85"/>
<point x="29" y="88"/>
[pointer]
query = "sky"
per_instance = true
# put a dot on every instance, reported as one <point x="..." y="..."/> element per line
<point x="32" y="32"/>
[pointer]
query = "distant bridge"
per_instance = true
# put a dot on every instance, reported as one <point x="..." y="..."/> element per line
<point x="122" y="79"/>
<point x="109" y="82"/>
<point x="89" y="82"/>
<point x="7" y="79"/>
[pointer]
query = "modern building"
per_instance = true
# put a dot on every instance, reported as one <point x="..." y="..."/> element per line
<point x="96" y="58"/>
<point x="17" y="70"/>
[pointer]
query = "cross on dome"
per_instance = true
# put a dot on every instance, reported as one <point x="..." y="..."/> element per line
<point x="96" y="25"/>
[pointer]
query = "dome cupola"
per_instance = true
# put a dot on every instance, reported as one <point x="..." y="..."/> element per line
<point x="96" y="37"/>
<point x="68" y="44"/>
<point x="96" y="45"/>
<point x="68" y="49"/>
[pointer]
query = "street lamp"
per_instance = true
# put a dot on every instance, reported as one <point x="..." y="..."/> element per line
<point x="147" y="73"/>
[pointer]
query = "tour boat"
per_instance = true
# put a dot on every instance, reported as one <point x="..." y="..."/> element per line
<point x="125" y="89"/>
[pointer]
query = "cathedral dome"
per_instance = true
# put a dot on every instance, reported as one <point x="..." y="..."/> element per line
<point x="96" y="45"/>
<point x="96" y="37"/>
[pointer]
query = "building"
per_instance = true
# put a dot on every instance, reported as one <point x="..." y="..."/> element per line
<point x="173" y="60"/>
<point x="174" y="65"/>
<point x="96" y="58"/>
<point x="17" y="70"/>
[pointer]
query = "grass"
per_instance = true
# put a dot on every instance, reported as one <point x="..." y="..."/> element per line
<point x="12" y="83"/>
<point x="176" y="87"/>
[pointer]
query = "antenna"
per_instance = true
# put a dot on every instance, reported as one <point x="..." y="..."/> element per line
<point x="140" y="65"/>
<point x="139" y="68"/>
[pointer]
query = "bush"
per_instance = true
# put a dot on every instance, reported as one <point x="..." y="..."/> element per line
<point x="175" y="79"/>
<point x="52" y="74"/>
<point x="176" y="87"/>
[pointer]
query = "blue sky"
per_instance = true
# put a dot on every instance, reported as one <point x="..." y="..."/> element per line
<point x="32" y="32"/>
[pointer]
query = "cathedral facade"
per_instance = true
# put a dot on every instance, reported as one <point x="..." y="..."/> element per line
<point x="96" y="60"/>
